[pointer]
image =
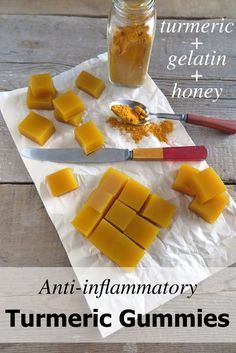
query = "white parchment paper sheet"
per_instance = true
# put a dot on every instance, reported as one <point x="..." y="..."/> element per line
<point x="190" y="243"/>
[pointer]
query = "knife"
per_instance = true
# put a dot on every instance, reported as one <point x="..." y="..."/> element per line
<point x="109" y="155"/>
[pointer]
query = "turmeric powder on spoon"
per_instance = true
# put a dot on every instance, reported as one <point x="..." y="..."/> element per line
<point x="129" y="115"/>
<point x="130" y="118"/>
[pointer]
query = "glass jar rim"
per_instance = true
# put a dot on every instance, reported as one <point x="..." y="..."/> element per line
<point x="123" y="7"/>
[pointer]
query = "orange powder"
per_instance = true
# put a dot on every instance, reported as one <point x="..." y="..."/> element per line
<point x="129" y="115"/>
<point x="160" y="131"/>
<point x="129" y="55"/>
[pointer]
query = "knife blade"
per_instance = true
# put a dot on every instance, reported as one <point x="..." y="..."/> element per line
<point x="110" y="155"/>
<point x="76" y="155"/>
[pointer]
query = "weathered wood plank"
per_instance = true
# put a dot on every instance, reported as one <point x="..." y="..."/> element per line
<point x="187" y="348"/>
<point x="39" y="39"/>
<point x="30" y="243"/>
<point x="53" y="7"/>
<point x="25" y="243"/>
<point x="166" y="8"/>
<point x="118" y="348"/>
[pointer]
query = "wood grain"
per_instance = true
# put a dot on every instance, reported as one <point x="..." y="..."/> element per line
<point x="28" y="238"/>
<point x="166" y="8"/>
<point x="118" y="348"/>
<point x="38" y="40"/>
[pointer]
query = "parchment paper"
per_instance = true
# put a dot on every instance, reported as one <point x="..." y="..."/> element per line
<point x="190" y="244"/>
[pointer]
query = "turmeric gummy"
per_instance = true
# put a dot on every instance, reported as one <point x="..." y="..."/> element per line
<point x="181" y="182"/>
<point x="141" y="231"/>
<point x="115" y="245"/>
<point x="206" y="185"/>
<point x="210" y="210"/>
<point x="113" y="181"/>
<point x="68" y="105"/>
<point x="112" y="221"/>
<point x="120" y="215"/>
<point x="100" y="200"/>
<point x="62" y="182"/>
<point x="89" y="137"/>
<point x="37" y="128"/>
<point x="41" y="85"/>
<point x="40" y="103"/>
<point x="90" y="84"/>
<point x="207" y="188"/>
<point x="159" y="211"/>
<point x="86" y="220"/>
<point x="75" y="120"/>
<point x="134" y="194"/>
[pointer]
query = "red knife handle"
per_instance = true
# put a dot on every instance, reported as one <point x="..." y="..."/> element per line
<point x="225" y="125"/>
<point x="188" y="153"/>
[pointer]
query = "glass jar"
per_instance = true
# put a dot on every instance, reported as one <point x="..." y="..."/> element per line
<point x="131" y="31"/>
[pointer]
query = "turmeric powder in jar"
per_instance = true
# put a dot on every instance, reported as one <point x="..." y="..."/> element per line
<point x="131" y="31"/>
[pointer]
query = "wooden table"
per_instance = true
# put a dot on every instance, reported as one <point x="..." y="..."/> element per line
<point x="63" y="34"/>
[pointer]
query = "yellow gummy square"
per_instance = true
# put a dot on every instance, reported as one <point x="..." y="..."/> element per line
<point x="134" y="194"/>
<point x="100" y="200"/>
<point x="89" y="137"/>
<point x="40" y="103"/>
<point x="86" y="220"/>
<point x="68" y="105"/>
<point x="90" y="84"/>
<point x="75" y="120"/>
<point x="62" y="182"/>
<point x="37" y="128"/>
<point x="141" y="231"/>
<point x="41" y="85"/>
<point x="211" y="209"/>
<point x="120" y="215"/>
<point x="206" y="185"/>
<point x="159" y="211"/>
<point x="113" y="181"/>
<point x="117" y="246"/>
<point x="184" y="174"/>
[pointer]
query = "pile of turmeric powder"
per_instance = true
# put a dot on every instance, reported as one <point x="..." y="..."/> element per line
<point x="137" y="132"/>
<point x="129" y="115"/>
<point x="130" y="118"/>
